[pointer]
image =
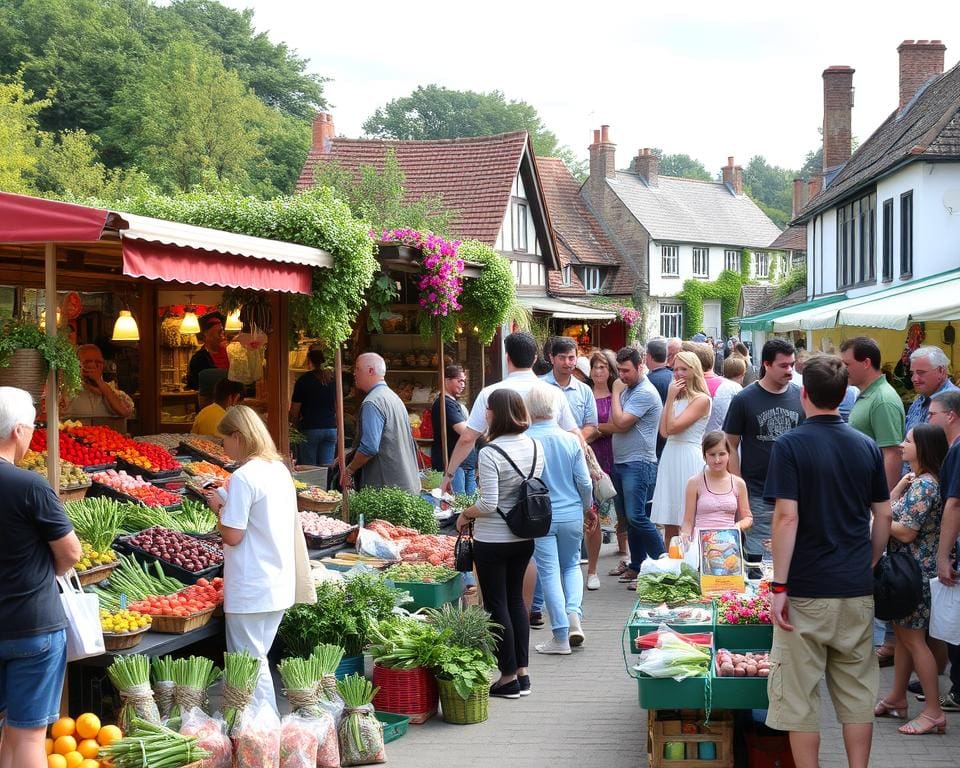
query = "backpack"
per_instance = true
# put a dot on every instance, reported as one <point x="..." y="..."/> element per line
<point x="897" y="585"/>
<point x="532" y="515"/>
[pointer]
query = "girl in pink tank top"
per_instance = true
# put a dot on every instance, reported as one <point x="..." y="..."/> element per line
<point x="714" y="497"/>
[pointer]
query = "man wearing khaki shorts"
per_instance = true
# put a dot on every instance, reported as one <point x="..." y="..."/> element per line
<point x="825" y="479"/>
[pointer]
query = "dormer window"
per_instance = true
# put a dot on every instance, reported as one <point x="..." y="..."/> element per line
<point x="566" y="276"/>
<point x="591" y="279"/>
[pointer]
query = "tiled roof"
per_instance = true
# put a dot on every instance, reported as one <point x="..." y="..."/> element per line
<point x="689" y="211"/>
<point x="928" y="128"/>
<point x="755" y="299"/>
<point x="791" y="239"/>
<point x="796" y="297"/>
<point x="474" y="175"/>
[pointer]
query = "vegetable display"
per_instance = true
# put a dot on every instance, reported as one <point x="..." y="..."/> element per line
<point x="415" y="546"/>
<point x="361" y="734"/>
<point x="730" y="664"/>
<point x="150" y="745"/>
<point x="136" y="581"/>
<point x="123" y="622"/>
<point x="240" y="673"/>
<point x="313" y="493"/>
<point x="206" y="469"/>
<point x="684" y="614"/>
<point x="96" y="521"/>
<point x="191" y="678"/>
<point x="420" y="572"/>
<point x="178" y="549"/>
<point x="207" y="448"/>
<point x="136" y="487"/>
<point x="402" y="643"/>
<point x="195" y="517"/>
<point x="71" y="450"/>
<point x="191" y="600"/>
<point x="161" y="670"/>
<point x="210" y="736"/>
<point x="323" y="526"/>
<point x="394" y="505"/>
<point x="674" y="657"/>
<point x="91" y="558"/>
<point x="71" y="476"/>
<point x="310" y="731"/>
<point x="669" y="588"/>
<point x="130" y="675"/>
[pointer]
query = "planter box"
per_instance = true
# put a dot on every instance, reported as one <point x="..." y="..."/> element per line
<point x="638" y="627"/>
<point x="432" y="595"/>
<point x="739" y="692"/>
<point x="663" y="731"/>
<point x="758" y="636"/>
<point x="409" y="692"/>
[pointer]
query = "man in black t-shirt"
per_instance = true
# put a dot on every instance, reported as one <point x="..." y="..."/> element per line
<point x="464" y="479"/>
<point x="825" y="479"/>
<point x="38" y="543"/>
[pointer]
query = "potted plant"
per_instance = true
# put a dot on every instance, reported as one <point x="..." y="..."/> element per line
<point x="27" y="354"/>
<point x="405" y="650"/>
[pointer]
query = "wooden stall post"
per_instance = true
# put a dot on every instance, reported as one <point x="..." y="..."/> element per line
<point x="443" y="398"/>
<point x="341" y="442"/>
<point x="53" y="391"/>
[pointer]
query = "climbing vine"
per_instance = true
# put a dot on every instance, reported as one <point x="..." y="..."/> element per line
<point x="726" y="288"/>
<point x="745" y="258"/>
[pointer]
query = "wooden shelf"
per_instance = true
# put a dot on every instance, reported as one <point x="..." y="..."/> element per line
<point x="412" y="370"/>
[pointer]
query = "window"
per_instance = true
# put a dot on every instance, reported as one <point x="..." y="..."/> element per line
<point x="856" y="247"/>
<point x="906" y="234"/>
<point x="888" y="239"/>
<point x="763" y="265"/>
<point x="731" y="260"/>
<point x="670" y="260"/>
<point x="591" y="279"/>
<point x="519" y="227"/>
<point x="797" y="259"/>
<point x="566" y="276"/>
<point x="701" y="262"/>
<point x="671" y="320"/>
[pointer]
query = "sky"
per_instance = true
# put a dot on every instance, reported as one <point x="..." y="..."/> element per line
<point x="707" y="79"/>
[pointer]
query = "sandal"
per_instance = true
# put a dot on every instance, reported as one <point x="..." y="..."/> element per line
<point x="622" y="566"/>
<point x="884" y="659"/>
<point x="632" y="585"/>
<point x="913" y="728"/>
<point x="886" y="709"/>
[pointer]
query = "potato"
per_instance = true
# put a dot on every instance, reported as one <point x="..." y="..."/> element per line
<point x="765" y="672"/>
<point x="739" y="672"/>
<point x="726" y="669"/>
<point x="751" y="670"/>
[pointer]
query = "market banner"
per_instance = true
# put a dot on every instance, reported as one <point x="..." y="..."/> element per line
<point x="25" y="219"/>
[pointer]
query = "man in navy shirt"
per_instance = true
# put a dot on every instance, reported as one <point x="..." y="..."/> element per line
<point x="825" y="479"/>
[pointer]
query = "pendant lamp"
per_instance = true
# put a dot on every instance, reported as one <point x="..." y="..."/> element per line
<point x="189" y="324"/>
<point x="125" y="329"/>
<point x="233" y="321"/>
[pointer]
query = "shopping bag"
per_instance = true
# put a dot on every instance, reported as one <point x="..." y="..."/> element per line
<point x="84" y="633"/>
<point x="306" y="589"/>
<point x="944" y="612"/>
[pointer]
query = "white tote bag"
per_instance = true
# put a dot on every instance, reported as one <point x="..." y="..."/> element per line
<point x="84" y="633"/>
<point x="944" y="612"/>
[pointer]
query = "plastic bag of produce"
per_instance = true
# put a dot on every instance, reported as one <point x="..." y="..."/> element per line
<point x="330" y="700"/>
<point x="211" y="736"/>
<point x="372" y="543"/>
<point x="674" y="657"/>
<point x="130" y="675"/>
<point x="256" y="738"/>
<point x="305" y="742"/>
<point x="361" y="737"/>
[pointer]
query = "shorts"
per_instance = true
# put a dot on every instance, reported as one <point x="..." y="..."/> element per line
<point x="832" y="637"/>
<point x="31" y="678"/>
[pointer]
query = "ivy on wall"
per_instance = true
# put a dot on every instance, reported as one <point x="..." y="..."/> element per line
<point x="745" y="258"/>
<point x="726" y="288"/>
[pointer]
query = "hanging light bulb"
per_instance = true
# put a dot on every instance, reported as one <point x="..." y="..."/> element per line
<point x="125" y="329"/>
<point x="233" y="321"/>
<point x="189" y="324"/>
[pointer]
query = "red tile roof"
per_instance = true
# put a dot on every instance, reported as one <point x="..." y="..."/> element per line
<point x="473" y="175"/>
<point x="793" y="238"/>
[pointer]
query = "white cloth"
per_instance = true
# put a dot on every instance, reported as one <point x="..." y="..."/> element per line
<point x="259" y="573"/>
<point x="499" y="485"/>
<point x="682" y="458"/>
<point x="721" y="403"/>
<point x="255" y="633"/>
<point x="520" y="382"/>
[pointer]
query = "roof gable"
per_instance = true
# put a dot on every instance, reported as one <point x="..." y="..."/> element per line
<point x="691" y="211"/>
<point x="793" y="238"/>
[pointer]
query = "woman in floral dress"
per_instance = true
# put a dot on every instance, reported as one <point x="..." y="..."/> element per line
<point x="917" y="509"/>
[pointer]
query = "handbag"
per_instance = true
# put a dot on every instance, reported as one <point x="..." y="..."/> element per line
<point x="897" y="585"/>
<point x="84" y="632"/>
<point x="603" y="489"/>
<point x="463" y="550"/>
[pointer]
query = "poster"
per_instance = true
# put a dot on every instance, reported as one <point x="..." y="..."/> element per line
<point x="721" y="561"/>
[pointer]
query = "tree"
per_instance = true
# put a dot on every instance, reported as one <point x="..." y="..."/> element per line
<point x="682" y="166"/>
<point x="68" y="167"/>
<point x="19" y="136"/>
<point x="771" y="187"/>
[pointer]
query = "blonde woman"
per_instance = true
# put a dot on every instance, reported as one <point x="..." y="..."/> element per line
<point x="257" y="518"/>
<point x="683" y="422"/>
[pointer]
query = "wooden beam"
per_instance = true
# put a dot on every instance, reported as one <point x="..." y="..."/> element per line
<point x="443" y="397"/>
<point x="341" y="443"/>
<point x="281" y="322"/>
<point x="53" y="390"/>
<point x="149" y="380"/>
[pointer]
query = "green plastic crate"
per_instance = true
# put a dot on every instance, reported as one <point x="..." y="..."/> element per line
<point x="667" y="693"/>
<point x="431" y="595"/>
<point x="739" y="692"/>
<point x="756" y="636"/>
<point x="394" y="726"/>
<point x="637" y="627"/>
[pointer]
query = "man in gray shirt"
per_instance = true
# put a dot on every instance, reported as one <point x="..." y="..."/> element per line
<point x="634" y="423"/>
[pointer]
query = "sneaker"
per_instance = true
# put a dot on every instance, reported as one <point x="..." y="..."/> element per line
<point x="554" y="647"/>
<point x="593" y="582"/>
<point x="583" y="561"/>
<point x="577" y="637"/>
<point x="628" y="576"/>
<point x="509" y="690"/>
<point x="948" y="703"/>
<point x="524" y="681"/>
<point x="536" y="620"/>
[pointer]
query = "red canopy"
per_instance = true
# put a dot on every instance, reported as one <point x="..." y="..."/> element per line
<point x="36" y="220"/>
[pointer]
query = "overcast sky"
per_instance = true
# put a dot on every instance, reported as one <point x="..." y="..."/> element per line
<point x="688" y="76"/>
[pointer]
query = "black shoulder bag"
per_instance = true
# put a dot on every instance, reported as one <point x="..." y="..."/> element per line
<point x="531" y="516"/>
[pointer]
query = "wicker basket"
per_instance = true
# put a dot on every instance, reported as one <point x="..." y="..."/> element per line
<point x="178" y="625"/>
<point x="305" y="504"/>
<point x="409" y="692"/>
<point x="96" y="575"/>
<point x="121" y="641"/>
<point x="25" y="371"/>
<point x="460" y="712"/>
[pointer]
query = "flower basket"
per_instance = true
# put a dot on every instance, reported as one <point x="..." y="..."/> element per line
<point x="463" y="712"/>
<point x="409" y="692"/>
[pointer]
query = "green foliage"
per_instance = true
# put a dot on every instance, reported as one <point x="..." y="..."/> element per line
<point x="726" y="288"/>
<point x="395" y="506"/>
<point x="58" y="353"/>
<point x="795" y="279"/>
<point x="746" y="258"/>
<point x="19" y="136"/>
<point x="404" y="643"/>
<point x="469" y="627"/>
<point x="467" y="668"/>
<point x="68" y="167"/>
<point x="682" y="166"/>
<point x="771" y="187"/>
<point x="380" y="295"/>
<point x="486" y="299"/>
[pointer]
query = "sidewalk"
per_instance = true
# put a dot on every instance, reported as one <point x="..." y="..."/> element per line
<point x="584" y="711"/>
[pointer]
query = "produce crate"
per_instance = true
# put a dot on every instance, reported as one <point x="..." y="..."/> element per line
<point x="122" y="641"/>
<point x="190" y="450"/>
<point x="147" y="474"/>
<point x="667" y="693"/>
<point x="99" y="489"/>
<point x="664" y="728"/>
<point x="122" y="544"/>
<point x="739" y="692"/>
<point x="179" y="625"/>
<point x="639" y="627"/>
<point x="744" y="636"/>
<point x="74" y="492"/>
<point x="432" y="595"/>
<point x="320" y="507"/>
<point x="97" y="574"/>
<point x="323" y="542"/>
<point x="394" y="726"/>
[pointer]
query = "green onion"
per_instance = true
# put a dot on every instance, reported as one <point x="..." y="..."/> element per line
<point x="328" y="658"/>
<point x="149" y="745"/>
<point x="240" y="673"/>
<point x="356" y="691"/>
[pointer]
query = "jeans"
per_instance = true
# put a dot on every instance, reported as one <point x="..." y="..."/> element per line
<point x="558" y="565"/>
<point x="464" y="480"/>
<point x="320" y="448"/>
<point x="634" y="482"/>
<point x="500" y="569"/>
<point x="762" y="528"/>
<point x="31" y="678"/>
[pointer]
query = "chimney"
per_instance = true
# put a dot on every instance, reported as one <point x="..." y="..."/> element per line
<point x="733" y="176"/>
<point x="837" y="103"/>
<point x="647" y="166"/>
<point x="323" y="132"/>
<point x="800" y="195"/>
<point x="813" y="187"/>
<point x="602" y="154"/>
<point x="919" y="61"/>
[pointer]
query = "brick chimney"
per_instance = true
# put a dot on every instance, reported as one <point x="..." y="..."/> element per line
<point x="323" y="132"/>
<point x="733" y="176"/>
<point x="602" y="154"/>
<point x="837" y="103"/>
<point x="800" y="195"/>
<point x="919" y="61"/>
<point x="814" y="186"/>
<point x="647" y="166"/>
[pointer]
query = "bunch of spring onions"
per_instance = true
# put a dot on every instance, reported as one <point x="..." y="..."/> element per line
<point x="148" y="745"/>
<point x="130" y="675"/>
<point x="191" y="678"/>
<point x="359" y="721"/>
<point x="240" y="673"/>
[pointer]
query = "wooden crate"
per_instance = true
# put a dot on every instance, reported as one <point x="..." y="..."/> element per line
<point x="661" y="730"/>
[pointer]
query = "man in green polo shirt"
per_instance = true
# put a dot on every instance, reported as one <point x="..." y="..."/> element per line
<point x="878" y="412"/>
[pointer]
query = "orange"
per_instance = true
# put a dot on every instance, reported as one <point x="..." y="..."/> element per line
<point x="88" y="748"/>
<point x="89" y="764"/>
<point x="65" y="726"/>
<point x="88" y="726"/>
<point x="56" y="761"/>
<point x="73" y="759"/>
<point x="48" y="745"/>
<point x="108" y="734"/>
<point x="65" y="744"/>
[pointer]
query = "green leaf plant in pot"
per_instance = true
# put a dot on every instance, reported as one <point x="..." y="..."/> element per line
<point x="27" y="355"/>
<point x="466" y="656"/>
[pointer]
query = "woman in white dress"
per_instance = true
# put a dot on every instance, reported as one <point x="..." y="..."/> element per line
<point x="683" y="423"/>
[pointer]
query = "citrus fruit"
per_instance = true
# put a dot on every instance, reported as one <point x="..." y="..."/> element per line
<point x="73" y="759"/>
<point x="88" y="726"/>
<point x="89" y="764"/>
<point x="64" y="744"/>
<point x="108" y="734"/>
<point x="56" y="761"/>
<point x="88" y="748"/>
<point x="65" y="726"/>
<point x="48" y="745"/>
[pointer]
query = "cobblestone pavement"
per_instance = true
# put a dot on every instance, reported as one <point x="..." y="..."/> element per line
<point x="584" y="711"/>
